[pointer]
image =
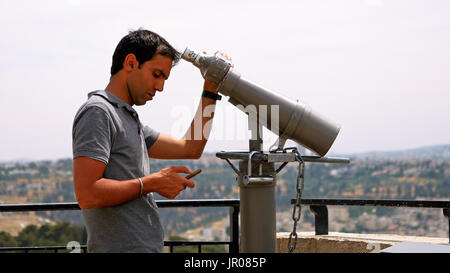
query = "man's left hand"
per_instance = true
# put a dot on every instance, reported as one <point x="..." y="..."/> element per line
<point x="209" y="85"/>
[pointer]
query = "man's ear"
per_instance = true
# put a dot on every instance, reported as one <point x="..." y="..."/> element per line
<point x="130" y="62"/>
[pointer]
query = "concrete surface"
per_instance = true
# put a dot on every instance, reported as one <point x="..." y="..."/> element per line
<point x="338" y="242"/>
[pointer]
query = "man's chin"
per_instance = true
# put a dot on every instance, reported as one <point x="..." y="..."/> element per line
<point x="140" y="103"/>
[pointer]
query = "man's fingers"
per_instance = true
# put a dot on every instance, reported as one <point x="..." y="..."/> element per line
<point x="224" y="54"/>
<point x="221" y="53"/>
<point x="189" y="183"/>
<point x="180" y="169"/>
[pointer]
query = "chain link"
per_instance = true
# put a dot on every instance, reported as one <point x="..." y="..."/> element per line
<point x="297" y="209"/>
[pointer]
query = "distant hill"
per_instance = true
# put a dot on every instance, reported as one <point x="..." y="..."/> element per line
<point x="426" y="152"/>
<point x="209" y="158"/>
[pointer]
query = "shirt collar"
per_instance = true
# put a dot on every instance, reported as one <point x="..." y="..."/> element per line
<point x="113" y="99"/>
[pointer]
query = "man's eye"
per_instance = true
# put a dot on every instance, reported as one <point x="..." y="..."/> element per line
<point x="156" y="75"/>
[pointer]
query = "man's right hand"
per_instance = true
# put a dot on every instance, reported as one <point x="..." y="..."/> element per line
<point x="94" y="191"/>
<point x="168" y="182"/>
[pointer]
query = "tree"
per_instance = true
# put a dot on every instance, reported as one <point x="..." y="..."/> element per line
<point x="46" y="235"/>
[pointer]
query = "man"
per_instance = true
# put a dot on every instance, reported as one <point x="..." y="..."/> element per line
<point x="111" y="149"/>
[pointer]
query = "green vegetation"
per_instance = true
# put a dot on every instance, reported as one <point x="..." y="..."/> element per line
<point x="45" y="235"/>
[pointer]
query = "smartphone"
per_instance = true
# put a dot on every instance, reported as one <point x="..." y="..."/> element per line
<point x="194" y="173"/>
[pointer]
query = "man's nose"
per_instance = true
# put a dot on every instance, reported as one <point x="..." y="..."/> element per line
<point x="159" y="86"/>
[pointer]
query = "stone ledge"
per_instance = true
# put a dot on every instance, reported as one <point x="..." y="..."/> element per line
<point x="338" y="242"/>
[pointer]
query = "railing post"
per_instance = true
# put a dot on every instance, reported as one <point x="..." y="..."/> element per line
<point x="234" y="229"/>
<point x="320" y="219"/>
<point x="447" y="214"/>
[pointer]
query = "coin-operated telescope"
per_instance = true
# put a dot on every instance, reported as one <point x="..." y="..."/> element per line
<point x="296" y="121"/>
<point x="256" y="174"/>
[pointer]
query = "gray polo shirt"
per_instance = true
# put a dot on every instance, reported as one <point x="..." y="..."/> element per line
<point x="107" y="129"/>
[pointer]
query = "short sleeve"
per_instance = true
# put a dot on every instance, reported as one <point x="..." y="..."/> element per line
<point x="92" y="134"/>
<point x="150" y="136"/>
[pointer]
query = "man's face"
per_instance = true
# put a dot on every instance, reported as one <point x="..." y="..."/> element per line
<point x="143" y="82"/>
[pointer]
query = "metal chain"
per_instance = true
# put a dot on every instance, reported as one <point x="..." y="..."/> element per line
<point x="297" y="210"/>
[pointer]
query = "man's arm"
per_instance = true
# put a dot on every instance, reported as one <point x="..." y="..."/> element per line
<point x="93" y="191"/>
<point x="191" y="146"/>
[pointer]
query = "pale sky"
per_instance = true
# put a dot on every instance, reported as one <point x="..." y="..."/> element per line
<point x="380" y="69"/>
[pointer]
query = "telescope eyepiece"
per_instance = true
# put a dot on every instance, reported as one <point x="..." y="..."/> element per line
<point x="190" y="56"/>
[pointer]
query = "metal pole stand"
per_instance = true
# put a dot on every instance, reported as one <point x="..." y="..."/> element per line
<point x="256" y="177"/>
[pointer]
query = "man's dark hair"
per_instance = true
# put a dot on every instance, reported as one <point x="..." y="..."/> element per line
<point x="144" y="44"/>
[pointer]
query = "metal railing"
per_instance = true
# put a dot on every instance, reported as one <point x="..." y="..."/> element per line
<point x="233" y="204"/>
<point x="320" y="211"/>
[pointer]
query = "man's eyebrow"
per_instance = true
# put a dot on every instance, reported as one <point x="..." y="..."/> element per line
<point x="163" y="74"/>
